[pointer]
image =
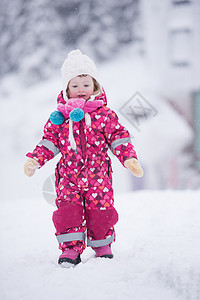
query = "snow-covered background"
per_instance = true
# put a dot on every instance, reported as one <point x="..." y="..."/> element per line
<point x="138" y="51"/>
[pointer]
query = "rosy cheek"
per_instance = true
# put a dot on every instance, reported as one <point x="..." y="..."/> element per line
<point x="72" y="94"/>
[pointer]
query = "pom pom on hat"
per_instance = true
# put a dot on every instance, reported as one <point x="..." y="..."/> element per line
<point x="76" y="64"/>
<point x="74" y="53"/>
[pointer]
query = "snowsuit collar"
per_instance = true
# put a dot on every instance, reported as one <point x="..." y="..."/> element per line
<point x="85" y="106"/>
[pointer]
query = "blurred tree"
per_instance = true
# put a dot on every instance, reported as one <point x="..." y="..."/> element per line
<point x="37" y="34"/>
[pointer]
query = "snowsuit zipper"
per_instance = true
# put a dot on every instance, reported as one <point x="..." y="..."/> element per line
<point x="109" y="171"/>
<point x="82" y="139"/>
<point x="58" y="178"/>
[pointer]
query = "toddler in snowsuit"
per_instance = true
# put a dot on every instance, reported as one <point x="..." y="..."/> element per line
<point x="83" y="129"/>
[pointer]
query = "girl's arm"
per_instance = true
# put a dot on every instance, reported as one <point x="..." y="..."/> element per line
<point x="48" y="147"/>
<point x="118" y="138"/>
<point x="119" y="142"/>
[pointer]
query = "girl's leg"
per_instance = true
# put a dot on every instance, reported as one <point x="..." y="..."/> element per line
<point x="69" y="221"/>
<point x="101" y="216"/>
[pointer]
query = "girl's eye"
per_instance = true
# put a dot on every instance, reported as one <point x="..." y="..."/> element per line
<point x="74" y="86"/>
<point x="86" y="85"/>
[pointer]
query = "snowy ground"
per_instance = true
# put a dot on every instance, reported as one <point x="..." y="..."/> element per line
<point x="156" y="255"/>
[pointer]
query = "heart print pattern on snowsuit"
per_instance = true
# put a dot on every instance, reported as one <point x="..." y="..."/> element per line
<point x="85" y="201"/>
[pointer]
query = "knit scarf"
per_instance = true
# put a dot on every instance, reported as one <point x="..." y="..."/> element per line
<point x="76" y="109"/>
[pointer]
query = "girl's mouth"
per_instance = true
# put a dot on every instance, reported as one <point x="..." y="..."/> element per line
<point x="81" y="96"/>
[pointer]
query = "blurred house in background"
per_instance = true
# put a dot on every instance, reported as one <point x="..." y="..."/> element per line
<point x="171" y="41"/>
<point x="171" y="36"/>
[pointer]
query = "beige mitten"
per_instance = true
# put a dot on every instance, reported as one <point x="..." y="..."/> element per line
<point x="133" y="165"/>
<point x="30" y="166"/>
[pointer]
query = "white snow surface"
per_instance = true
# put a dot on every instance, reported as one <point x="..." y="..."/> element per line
<point x="156" y="253"/>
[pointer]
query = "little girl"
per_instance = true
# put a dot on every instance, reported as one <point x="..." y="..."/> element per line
<point x="83" y="129"/>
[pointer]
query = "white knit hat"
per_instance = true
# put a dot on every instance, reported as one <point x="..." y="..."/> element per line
<point x="76" y="64"/>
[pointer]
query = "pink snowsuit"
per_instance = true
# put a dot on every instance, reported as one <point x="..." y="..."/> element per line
<point x="84" y="177"/>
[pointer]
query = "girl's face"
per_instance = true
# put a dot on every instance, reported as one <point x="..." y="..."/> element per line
<point x="81" y="87"/>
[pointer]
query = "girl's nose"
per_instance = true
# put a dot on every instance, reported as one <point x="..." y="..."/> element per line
<point x="81" y="89"/>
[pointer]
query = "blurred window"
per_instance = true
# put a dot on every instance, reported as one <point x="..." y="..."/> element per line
<point x="180" y="44"/>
